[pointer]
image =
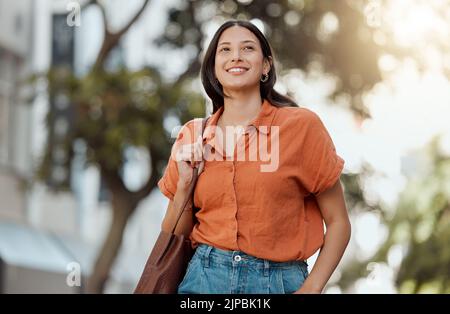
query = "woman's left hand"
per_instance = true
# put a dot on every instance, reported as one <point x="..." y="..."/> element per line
<point x="305" y="289"/>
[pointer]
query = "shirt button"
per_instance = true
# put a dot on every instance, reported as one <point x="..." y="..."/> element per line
<point x="237" y="258"/>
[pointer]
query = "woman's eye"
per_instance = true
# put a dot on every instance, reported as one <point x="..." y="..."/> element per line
<point x="228" y="49"/>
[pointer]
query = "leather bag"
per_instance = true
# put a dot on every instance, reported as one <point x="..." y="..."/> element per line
<point x="169" y="258"/>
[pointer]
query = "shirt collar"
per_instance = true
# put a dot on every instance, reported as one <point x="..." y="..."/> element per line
<point x="262" y="122"/>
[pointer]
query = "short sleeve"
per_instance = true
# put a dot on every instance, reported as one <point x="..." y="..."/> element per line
<point x="320" y="166"/>
<point x="168" y="182"/>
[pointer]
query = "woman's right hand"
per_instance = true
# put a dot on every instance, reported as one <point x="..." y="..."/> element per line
<point x="188" y="157"/>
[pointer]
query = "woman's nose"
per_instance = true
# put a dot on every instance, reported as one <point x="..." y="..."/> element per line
<point x="236" y="55"/>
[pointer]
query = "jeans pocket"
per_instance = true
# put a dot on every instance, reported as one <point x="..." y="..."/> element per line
<point x="303" y="267"/>
<point x="293" y="278"/>
<point x="187" y="281"/>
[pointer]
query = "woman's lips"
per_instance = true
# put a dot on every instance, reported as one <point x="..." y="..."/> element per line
<point x="237" y="71"/>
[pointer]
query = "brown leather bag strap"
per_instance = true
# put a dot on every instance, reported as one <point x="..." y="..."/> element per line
<point x="190" y="194"/>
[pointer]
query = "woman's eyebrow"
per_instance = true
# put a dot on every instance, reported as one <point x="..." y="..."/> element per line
<point x="244" y="41"/>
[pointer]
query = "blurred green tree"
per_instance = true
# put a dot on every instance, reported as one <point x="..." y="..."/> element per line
<point x="420" y="227"/>
<point x="113" y="110"/>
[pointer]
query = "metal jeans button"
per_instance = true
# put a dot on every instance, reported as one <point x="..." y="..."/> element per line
<point x="237" y="258"/>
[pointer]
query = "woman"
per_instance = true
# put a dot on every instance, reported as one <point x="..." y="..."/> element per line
<point x="261" y="214"/>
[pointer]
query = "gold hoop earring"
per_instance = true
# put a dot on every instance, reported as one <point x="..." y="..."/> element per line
<point x="265" y="78"/>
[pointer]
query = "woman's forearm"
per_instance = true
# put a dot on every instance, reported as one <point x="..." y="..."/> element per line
<point x="336" y="239"/>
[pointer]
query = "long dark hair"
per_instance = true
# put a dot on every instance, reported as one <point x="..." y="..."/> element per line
<point x="214" y="89"/>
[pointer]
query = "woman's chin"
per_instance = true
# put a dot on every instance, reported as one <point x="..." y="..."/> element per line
<point x="237" y="86"/>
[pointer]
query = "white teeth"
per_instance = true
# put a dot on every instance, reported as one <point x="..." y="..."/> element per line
<point x="237" y="70"/>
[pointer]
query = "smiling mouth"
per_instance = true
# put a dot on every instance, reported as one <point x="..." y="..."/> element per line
<point x="237" y="70"/>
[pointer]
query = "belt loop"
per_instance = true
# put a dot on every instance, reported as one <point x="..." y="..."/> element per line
<point x="206" y="256"/>
<point x="266" y="268"/>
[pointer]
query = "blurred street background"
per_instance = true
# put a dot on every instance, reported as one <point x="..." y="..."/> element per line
<point x="92" y="94"/>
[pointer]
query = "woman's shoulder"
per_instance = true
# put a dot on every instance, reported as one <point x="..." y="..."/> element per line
<point x="189" y="130"/>
<point x="299" y="116"/>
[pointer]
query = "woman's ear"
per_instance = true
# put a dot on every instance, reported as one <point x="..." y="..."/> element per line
<point x="267" y="64"/>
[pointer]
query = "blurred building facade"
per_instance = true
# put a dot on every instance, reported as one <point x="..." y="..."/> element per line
<point x="42" y="232"/>
<point x="15" y="44"/>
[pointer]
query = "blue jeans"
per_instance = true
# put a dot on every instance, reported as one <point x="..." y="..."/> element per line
<point x="212" y="270"/>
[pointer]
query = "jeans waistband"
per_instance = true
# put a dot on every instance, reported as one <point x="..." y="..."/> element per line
<point x="234" y="257"/>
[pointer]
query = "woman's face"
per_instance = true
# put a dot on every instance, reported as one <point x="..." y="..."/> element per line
<point x="239" y="61"/>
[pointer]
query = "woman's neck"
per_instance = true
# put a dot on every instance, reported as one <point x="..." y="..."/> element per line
<point x="241" y="109"/>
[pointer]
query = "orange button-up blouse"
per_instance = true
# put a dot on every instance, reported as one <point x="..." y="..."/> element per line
<point x="260" y="197"/>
